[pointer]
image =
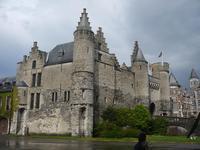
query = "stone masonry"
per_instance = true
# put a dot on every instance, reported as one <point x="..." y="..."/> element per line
<point x="66" y="90"/>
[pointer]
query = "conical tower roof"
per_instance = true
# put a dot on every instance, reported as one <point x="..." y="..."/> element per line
<point x="173" y="81"/>
<point x="140" y="56"/>
<point x="194" y="75"/>
<point x="84" y="23"/>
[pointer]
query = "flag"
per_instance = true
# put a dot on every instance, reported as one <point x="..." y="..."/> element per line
<point x="160" y="54"/>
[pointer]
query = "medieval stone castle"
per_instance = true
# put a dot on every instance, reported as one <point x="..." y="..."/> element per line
<point x="66" y="90"/>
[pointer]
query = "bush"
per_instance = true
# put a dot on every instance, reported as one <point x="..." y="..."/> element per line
<point x="130" y="132"/>
<point x="110" y="114"/>
<point x="159" y="126"/>
<point x="111" y="133"/>
<point x="104" y="126"/>
<point x="114" y="119"/>
<point x="110" y="130"/>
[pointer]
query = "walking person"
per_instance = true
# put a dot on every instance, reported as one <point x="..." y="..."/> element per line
<point x="141" y="144"/>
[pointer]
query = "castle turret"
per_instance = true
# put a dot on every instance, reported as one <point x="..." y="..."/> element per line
<point x="173" y="82"/>
<point x="161" y="71"/>
<point x="135" y="51"/>
<point x="83" y="79"/>
<point x="194" y="79"/>
<point x="140" y="68"/>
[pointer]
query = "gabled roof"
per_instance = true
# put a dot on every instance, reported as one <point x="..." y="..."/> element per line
<point x="194" y="75"/>
<point x="173" y="81"/>
<point x="62" y="53"/>
<point x="84" y="23"/>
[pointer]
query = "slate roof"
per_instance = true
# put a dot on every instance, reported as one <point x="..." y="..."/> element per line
<point x="62" y="53"/>
<point x="7" y="83"/>
<point x="140" y="56"/>
<point x="194" y="75"/>
<point x="21" y="84"/>
<point x="5" y="88"/>
<point x="8" y="79"/>
<point x="173" y="81"/>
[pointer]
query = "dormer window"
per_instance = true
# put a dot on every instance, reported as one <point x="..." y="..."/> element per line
<point x="34" y="64"/>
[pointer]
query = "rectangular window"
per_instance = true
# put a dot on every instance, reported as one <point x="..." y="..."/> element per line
<point x="32" y="101"/>
<point x="99" y="46"/>
<point x="68" y="95"/>
<point x="56" y="96"/>
<point x="24" y="93"/>
<point x="39" y="79"/>
<point x="8" y="99"/>
<point x="33" y="80"/>
<point x="34" y="64"/>
<point x="37" y="105"/>
<point x="99" y="56"/>
<point x="65" y="96"/>
<point x="52" y="98"/>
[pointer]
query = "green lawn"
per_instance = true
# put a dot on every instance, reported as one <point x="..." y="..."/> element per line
<point x="150" y="139"/>
<point x="172" y="139"/>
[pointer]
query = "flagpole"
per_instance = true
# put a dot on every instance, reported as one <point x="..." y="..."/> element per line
<point x="162" y="60"/>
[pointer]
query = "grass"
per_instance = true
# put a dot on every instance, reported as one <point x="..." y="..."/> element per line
<point x="172" y="139"/>
<point x="150" y="138"/>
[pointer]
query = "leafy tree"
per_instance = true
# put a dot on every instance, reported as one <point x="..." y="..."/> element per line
<point x="141" y="117"/>
<point x="110" y="114"/>
<point x="14" y="105"/>
<point x="123" y="116"/>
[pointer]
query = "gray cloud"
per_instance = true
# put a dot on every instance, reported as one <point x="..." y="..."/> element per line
<point x="171" y="26"/>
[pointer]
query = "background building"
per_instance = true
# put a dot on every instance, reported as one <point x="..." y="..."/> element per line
<point x="6" y="102"/>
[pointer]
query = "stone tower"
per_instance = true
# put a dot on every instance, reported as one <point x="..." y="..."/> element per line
<point x="140" y="68"/>
<point x="161" y="71"/>
<point x="83" y="79"/>
<point x="194" y="79"/>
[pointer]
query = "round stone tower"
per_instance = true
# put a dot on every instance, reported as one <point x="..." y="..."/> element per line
<point x="140" y="68"/>
<point x="161" y="71"/>
<point x="83" y="79"/>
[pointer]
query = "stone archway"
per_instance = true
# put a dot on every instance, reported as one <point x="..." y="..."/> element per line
<point x="3" y="125"/>
<point x="20" y="116"/>
<point x="82" y="121"/>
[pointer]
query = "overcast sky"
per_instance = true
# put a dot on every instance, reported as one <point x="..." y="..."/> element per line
<point x="158" y="25"/>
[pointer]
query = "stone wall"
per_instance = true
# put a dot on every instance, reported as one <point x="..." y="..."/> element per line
<point x="54" y="119"/>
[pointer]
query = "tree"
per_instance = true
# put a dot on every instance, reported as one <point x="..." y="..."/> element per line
<point x="14" y="105"/>
<point x="141" y="117"/>
<point x="110" y="114"/>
